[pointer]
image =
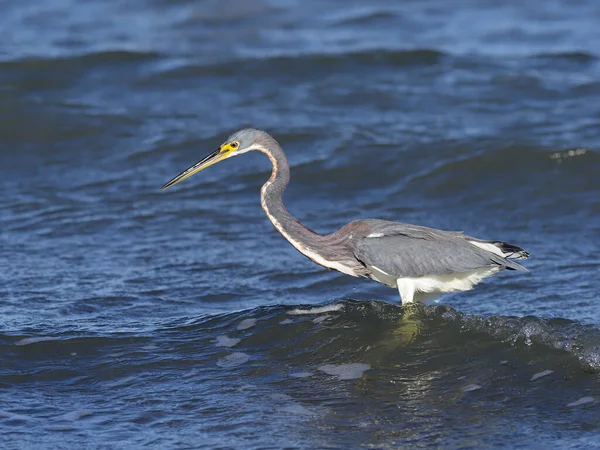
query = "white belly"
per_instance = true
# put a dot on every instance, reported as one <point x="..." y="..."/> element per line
<point x="432" y="284"/>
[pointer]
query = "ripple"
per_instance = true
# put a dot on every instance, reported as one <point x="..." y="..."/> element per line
<point x="233" y="360"/>
<point x="543" y="373"/>
<point x="582" y="401"/>
<point x="82" y="60"/>
<point x="471" y="387"/>
<point x="301" y="374"/>
<point x="581" y="56"/>
<point x="76" y="415"/>
<point x="297" y="61"/>
<point x="35" y="340"/>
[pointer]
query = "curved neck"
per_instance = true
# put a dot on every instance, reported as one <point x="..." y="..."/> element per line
<point x="329" y="250"/>
<point x="299" y="236"/>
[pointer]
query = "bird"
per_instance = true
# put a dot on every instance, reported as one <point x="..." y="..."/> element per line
<point x="421" y="263"/>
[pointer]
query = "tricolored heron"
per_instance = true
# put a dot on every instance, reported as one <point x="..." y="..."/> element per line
<point x="420" y="262"/>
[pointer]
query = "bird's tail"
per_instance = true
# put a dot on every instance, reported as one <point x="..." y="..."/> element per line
<point x="511" y="251"/>
<point x="507" y="253"/>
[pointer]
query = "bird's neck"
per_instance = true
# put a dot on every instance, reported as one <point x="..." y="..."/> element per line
<point x="327" y="251"/>
<point x="304" y="239"/>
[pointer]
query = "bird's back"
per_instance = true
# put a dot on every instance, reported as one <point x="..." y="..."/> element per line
<point x="406" y="250"/>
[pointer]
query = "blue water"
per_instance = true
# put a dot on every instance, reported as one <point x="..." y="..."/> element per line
<point x="136" y="318"/>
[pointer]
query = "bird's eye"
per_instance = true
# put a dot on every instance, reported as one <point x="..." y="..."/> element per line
<point x="234" y="145"/>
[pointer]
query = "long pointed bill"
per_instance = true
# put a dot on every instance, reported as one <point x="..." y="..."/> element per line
<point x="211" y="159"/>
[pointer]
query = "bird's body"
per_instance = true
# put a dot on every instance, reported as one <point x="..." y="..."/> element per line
<point x="420" y="262"/>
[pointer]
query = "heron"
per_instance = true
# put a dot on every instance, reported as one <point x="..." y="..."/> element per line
<point x="420" y="262"/>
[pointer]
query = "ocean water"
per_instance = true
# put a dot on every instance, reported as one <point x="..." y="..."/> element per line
<point x="133" y="317"/>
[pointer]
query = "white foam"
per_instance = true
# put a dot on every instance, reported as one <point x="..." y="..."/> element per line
<point x="350" y="371"/>
<point x="317" y="309"/>
<point x="246" y="323"/>
<point x="471" y="387"/>
<point x="226" y="341"/>
<point x="568" y="154"/>
<point x="233" y="360"/>
<point x="541" y="374"/>
<point x="34" y="340"/>
<point x="76" y="415"/>
<point x="582" y="401"/>
<point x="286" y="322"/>
<point x="300" y="374"/>
<point x="504" y="362"/>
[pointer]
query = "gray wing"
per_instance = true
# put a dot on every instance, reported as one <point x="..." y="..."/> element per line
<point x="404" y="250"/>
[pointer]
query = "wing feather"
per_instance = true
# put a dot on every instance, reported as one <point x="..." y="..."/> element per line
<point x="404" y="250"/>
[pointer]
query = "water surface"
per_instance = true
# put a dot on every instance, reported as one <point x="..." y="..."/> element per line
<point x="133" y="317"/>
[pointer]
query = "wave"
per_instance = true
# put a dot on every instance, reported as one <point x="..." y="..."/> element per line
<point x="83" y="59"/>
<point x="575" y="56"/>
<point x="303" y="337"/>
<point x="493" y="169"/>
<point x="298" y="62"/>
<point x="372" y="365"/>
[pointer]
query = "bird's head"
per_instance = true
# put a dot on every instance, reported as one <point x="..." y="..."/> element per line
<point x="239" y="142"/>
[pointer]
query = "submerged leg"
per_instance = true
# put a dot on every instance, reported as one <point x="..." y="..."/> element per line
<point x="406" y="289"/>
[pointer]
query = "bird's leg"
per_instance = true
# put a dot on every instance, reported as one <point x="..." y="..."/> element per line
<point x="406" y="289"/>
<point x="427" y="298"/>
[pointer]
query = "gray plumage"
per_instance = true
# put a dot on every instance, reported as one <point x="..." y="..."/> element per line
<point x="413" y="258"/>
<point x="425" y="251"/>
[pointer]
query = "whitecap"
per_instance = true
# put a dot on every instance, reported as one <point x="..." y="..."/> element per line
<point x="317" y="309"/>
<point x="233" y="360"/>
<point x="286" y="322"/>
<point x="568" y="154"/>
<point x="350" y="371"/>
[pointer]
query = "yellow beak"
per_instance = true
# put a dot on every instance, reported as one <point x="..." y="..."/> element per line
<point x="213" y="158"/>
